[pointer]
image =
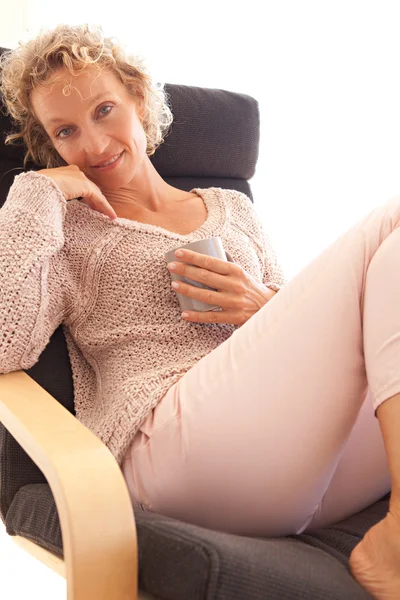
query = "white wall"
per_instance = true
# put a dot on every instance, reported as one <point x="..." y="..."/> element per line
<point x="11" y="23"/>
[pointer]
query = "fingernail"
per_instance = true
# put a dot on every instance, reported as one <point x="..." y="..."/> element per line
<point x="179" y="253"/>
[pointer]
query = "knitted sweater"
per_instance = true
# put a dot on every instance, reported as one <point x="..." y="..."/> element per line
<point x="108" y="284"/>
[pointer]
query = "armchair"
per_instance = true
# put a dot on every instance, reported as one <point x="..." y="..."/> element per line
<point x="63" y="497"/>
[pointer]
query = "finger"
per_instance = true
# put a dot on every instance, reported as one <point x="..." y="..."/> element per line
<point x="202" y="276"/>
<point x="201" y="294"/>
<point x="217" y="265"/>
<point x="107" y="208"/>
<point x="104" y="206"/>
<point x="100" y="204"/>
<point x="210" y="316"/>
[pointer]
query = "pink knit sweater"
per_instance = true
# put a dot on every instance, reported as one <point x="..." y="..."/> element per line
<point x="108" y="284"/>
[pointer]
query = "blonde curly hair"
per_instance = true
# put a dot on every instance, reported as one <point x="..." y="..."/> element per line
<point x="76" y="48"/>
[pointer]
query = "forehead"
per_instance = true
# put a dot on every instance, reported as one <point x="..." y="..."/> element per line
<point x="64" y="90"/>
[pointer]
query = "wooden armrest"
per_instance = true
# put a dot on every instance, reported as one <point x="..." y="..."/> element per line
<point x="93" y="502"/>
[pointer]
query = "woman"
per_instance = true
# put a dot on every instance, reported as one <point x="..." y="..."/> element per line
<point x="258" y="419"/>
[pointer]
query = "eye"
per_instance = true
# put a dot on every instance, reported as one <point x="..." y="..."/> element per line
<point x="105" y="108"/>
<point x="59" y="133"/>
<point x="66" y="131"/>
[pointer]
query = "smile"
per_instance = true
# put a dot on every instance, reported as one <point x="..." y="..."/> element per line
<point x="110" y="163"/>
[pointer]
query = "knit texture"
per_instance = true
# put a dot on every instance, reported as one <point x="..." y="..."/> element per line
<point x="107" y="282"/>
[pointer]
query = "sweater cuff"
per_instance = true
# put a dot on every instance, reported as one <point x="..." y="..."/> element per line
<point x="37" y="194"/>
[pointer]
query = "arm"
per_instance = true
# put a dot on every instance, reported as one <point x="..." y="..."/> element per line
<point x="273" y="276"/>
<point x="32" y="301"/>
<point x="272" y="272"/>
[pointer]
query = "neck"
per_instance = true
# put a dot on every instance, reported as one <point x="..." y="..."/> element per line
<point x="147" y="190"/>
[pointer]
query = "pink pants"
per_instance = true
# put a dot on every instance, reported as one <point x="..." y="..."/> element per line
<point x="274" y="432"/>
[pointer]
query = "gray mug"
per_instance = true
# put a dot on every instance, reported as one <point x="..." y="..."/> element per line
<point x="210" y="246"/>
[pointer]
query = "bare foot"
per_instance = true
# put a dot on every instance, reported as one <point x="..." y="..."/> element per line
<point x="375" y="561"/>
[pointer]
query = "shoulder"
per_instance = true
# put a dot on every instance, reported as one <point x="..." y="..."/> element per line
<point x="239" y="206"/>
<point x="233" y="199"/>
<point x="240" y="212"/>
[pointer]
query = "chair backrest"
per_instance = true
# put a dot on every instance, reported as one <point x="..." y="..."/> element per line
<point x="213" y="142"/>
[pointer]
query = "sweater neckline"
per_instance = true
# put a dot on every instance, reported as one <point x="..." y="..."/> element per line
<point x="211" y="226"/>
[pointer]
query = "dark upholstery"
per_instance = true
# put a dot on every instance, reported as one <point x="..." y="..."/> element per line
<point x="178" y="561"/>
<point x="214" y="141"/>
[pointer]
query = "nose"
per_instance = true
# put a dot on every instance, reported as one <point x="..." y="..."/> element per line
<point x="94" y="143"/>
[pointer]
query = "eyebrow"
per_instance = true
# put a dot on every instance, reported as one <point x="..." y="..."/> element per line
<point x="61" y="120"/>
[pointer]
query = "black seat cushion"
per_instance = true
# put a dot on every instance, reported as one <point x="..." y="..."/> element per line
<point x="178" y="561"/>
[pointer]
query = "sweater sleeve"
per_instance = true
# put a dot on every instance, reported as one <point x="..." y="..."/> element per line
<point x="272" y="269"/>
<point x="32" y="298"/>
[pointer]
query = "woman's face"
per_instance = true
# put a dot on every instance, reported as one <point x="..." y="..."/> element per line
<point x="97" y="121"/>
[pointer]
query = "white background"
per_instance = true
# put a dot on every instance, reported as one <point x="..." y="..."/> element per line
<point x="326" y="75"/>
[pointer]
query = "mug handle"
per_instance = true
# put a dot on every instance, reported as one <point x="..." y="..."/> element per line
<point x="229" y="257"/>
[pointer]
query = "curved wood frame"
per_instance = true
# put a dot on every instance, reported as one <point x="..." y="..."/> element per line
<point x="93" y="502"/>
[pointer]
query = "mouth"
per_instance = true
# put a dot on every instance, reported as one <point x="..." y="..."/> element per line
<point x="109" y="164"/>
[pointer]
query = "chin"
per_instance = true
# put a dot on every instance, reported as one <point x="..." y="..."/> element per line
<point x="114" y="181"/>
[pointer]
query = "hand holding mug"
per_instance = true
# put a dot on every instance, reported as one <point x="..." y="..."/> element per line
<point x="238" y="294"/>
